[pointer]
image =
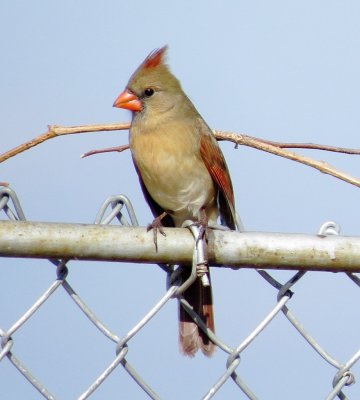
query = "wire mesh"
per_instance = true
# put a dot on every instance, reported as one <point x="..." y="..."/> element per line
<point x="119" y="208"/>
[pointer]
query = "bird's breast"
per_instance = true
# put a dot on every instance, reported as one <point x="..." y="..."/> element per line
<point x="172" y="170"/>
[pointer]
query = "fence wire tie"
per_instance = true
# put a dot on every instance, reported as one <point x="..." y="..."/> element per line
<point x="116" y="203"/>
<point x="61" y="269"/>
<point x="199" y="253"/>
<point x="6" y="345"/>
<point x="173" y="277"/>
<point x="349" y="378"/>
<point x="6" y="193"/>
<point x="329" y="228"/>
<point x="344" y="372"/>
<point x="285" y="289"/>
<point x="346" y="379"/>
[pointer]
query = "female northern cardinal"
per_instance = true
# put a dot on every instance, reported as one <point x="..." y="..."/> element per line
<point x="182" y="172"/>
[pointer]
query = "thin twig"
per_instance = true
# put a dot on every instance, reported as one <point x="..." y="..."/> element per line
<point x="118" y="149"/>
<point x="260" y="145"/>
<point x="310" y="146"/>
<point x="239" y="139"/>
<point x="55" y="130"/>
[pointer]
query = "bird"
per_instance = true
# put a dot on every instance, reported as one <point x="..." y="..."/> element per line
<point x="182" y="173"/>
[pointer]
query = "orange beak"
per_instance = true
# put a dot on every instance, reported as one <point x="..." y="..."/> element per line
<point x="128" y="100"/>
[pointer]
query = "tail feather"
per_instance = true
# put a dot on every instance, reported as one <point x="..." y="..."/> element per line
<point x="191" y="337"/>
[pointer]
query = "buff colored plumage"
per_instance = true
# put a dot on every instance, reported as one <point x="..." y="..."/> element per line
<point x="181" y="169"/>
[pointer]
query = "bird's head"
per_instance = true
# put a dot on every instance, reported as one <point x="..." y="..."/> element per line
<point x="151" y="87"/>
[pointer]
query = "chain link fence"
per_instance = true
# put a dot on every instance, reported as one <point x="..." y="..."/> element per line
<point x="119" y="208"/>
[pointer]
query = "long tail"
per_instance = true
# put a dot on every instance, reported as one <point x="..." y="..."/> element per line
<point x="191" y="337"/>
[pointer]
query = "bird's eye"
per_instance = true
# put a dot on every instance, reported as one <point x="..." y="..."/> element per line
<point x="148" y="92"/>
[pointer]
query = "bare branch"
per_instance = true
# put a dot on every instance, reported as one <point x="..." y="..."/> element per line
<point x="310" y="146"/>
<point x="260" y="145"/>
<point x="55" y="130"/>
<point x="119" y="149"/>
<point x="240" y="139"/>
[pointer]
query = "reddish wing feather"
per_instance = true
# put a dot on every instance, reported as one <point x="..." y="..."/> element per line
<point x="215" y="163"/>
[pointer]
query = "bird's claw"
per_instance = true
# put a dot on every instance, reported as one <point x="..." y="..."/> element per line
<point x="156" y="227"/>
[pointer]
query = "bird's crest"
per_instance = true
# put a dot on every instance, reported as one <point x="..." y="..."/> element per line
<point x="153" y="71"/>
<point x="155" y="58"/>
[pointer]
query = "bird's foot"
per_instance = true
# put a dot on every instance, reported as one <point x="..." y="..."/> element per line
<point x="203" y="225"/>
<point x="156" y="226"/>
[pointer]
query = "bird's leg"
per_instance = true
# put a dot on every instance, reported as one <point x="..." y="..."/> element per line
<point x="157" y="226"/>
<point x="202" y="224"/>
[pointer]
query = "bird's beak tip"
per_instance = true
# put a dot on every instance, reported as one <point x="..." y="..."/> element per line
<point x="128" y="100"/>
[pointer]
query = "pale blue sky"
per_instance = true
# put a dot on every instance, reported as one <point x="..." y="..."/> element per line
<point x="280" y="70"/>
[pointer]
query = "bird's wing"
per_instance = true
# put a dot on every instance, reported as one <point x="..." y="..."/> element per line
<point x="215" y="163"/>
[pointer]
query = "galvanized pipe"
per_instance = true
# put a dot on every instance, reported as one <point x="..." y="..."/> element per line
<point x="225" y="248"/>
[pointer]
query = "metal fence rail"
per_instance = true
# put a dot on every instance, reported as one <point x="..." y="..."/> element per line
<point x="119" y="207"/>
